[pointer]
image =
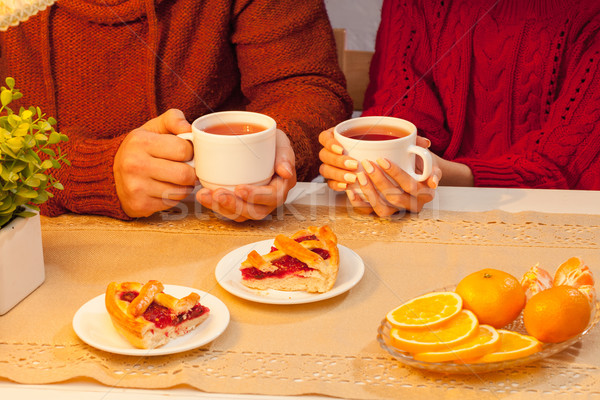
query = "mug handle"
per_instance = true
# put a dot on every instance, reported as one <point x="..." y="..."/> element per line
<point x="188" y="136"/>
<point x="427" y="162"/>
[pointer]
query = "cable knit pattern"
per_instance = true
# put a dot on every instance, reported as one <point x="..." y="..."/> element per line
<point x="508" y="88"/>
<point x="90" y="63"/>
<point x="493" y="40"/>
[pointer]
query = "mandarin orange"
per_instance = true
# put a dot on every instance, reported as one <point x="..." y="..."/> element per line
<point x="495" y="297"/>
<point x="557" y="314"/>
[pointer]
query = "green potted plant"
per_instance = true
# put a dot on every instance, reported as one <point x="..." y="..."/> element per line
<point x="29" y="150"/>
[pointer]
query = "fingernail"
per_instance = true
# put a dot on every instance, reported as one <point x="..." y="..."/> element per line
<point x="351" y="164"/>
<point x="436" y="180"/>
<point x="383" y="163"/>
<point x="342" y="185"/>
<point x="362" y="178"/>
<point x="288" y="167"/>
<point x="367" y="166"/>
<point x="337" y="149"/>
<point x="428" y="143"/>
<point x="350" y="178"/>
<point x="350" y="195"/>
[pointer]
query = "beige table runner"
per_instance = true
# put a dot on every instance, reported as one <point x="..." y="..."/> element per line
<point x="326" y="348"/>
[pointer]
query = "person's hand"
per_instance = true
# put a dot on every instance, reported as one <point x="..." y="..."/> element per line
<point x="149" y="169"/>
<point x="386" y="196"/>
<point x="380" y="193"/>
<point x="255" y="202"/>
<point x="337" y="168"/>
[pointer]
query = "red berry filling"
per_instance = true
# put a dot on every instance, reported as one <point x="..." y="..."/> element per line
<point x="162" y="316"/>
<point x="129" y="296"/>
<point x="286" y="265"/>
<point x="303" y="238"/>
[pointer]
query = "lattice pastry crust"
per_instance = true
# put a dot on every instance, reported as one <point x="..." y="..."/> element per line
<point x="306" y="261"/>
<point x="147" y="317"/>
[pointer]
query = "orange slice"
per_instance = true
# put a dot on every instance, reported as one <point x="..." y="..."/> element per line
<point x="452" y="332"/>
<point x="487" y="340"/>
<point x="512" y="345"/>
<point x="428" y="310"/>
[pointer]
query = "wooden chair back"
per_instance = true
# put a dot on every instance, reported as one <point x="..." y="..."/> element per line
<point x="355" y="66"/>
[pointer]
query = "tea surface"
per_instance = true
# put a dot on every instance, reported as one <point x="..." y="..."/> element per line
<point x="375" y="133"/>
<point x="238" y="128"/>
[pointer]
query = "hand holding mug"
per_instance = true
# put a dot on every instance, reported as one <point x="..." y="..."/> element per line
<point x="373" y="159"/>
<point x="148" y="168"/>
<point x="244" y="163"/>
<point x="251" y="201"/>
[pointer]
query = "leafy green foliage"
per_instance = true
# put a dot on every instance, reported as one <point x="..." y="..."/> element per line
<point x="29" y="149"/>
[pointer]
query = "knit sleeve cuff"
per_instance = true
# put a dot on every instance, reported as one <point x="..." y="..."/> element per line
<point x="493" y="173"/>
<point x="89" y="183"/>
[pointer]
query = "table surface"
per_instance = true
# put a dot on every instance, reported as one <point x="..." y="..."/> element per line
<point x="448" y="198"/>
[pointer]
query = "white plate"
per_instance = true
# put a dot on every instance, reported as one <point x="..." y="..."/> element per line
<point x="229" y="276"/>
<point x="93" y="325"/>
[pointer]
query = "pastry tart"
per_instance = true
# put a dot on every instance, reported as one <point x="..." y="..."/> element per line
<point x="306" y="261"/>
<point x="147" y="317"/>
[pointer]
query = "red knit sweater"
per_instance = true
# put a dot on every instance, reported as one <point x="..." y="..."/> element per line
<point x="103" y="68"/>
<point x="510" y="89"/>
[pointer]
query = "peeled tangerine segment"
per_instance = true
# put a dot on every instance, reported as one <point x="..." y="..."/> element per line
<point x="536" y="280"/>
<point x="513" y="345"/>
<point x="454" y="331"/>
<point x="573" y="272"/>
<point x="485" y="341"/>
<point x="589" y="292"/>
<point x="430" y="309"/>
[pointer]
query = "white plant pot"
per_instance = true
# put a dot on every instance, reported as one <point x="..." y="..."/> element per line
<point x="21" y="261"/>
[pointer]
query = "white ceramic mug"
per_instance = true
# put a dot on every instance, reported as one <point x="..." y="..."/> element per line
<point x="399" y="150"/>
<point x="228" y="160"/>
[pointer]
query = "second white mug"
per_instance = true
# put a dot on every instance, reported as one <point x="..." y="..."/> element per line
<point x="370" y="138"/>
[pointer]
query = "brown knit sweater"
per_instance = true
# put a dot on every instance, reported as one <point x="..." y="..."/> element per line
<point x="105" y="67"/>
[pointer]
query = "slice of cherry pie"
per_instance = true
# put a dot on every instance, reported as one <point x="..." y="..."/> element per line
<point x="147" y="317"/>
<point x="306" y="261"/>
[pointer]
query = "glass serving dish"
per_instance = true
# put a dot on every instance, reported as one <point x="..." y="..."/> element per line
<point x="548" y="349"/>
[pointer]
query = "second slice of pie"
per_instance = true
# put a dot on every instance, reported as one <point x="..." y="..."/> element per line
<point x="306" y="261"/>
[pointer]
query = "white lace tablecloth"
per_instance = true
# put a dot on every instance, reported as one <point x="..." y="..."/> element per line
<point x="326" y="348"/>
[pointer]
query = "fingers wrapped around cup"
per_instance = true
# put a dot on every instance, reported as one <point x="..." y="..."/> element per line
<point x="386" y="151"/>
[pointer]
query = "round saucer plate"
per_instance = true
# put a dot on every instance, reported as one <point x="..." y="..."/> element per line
<point x="93" y="325"/>
<point x="229" y="276"/>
